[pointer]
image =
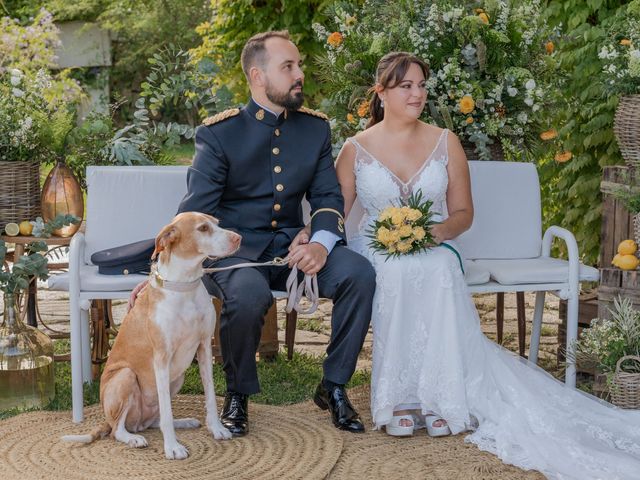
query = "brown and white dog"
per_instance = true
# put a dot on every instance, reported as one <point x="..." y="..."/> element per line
<point x="172" y="319"/>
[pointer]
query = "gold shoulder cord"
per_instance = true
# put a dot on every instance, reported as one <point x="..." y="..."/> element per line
<point x="314" y="113"/>
<point x="219" y="117"/>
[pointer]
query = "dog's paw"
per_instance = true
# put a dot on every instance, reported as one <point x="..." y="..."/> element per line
<point x="186" y="423"/>
<point x="175" y="451"/>
<point x="219" y="432"/>
<point x="137" y="441"/>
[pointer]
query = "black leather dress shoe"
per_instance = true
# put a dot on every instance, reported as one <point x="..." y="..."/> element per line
<point x="343" y="414"/>
<point x="235" y="413"/>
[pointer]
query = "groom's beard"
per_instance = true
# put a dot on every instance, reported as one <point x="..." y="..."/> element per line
<point x="288" y="100"/>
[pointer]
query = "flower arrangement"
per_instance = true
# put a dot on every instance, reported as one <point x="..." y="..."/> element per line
<point x="621" y="55"/>
<point x="488" y="60"/>
<point x="404" y="229"/>
<point x="607" y="341"/>
<point x="34" y="104"/>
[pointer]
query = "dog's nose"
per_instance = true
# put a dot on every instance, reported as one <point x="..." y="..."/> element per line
<point x="235" y="239"/>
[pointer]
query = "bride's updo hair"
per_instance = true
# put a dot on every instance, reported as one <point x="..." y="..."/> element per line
<point x="390" y="71"/>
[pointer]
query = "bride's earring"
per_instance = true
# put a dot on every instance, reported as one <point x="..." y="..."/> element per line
<point x="381" y="103"/>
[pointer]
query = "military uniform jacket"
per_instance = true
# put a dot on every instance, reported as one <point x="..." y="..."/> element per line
<point x="251" y="170"/>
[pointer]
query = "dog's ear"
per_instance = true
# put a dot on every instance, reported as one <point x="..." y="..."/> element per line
<point x="167" y="237"/>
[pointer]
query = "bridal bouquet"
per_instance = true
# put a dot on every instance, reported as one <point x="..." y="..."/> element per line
<point x="404" y="229"/>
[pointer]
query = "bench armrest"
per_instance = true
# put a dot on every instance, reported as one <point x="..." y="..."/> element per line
<point x="572" y="248"/>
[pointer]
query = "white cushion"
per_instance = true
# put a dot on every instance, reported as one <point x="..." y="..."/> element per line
<point x="534" y="270"/>
<point x="128" y="204"/>
<point x="475" y="274"/>
<point x="92" y="281"/>
<point x="507" y="219"/>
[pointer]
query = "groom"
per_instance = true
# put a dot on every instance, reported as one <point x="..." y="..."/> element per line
<point x="251" y="169"/>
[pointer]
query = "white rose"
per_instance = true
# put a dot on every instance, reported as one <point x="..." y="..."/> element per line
<point x="528" y="101"/>
<point x="530" y="85"/>
<point x="512" y="91"/>
<point x="17" y="92"/>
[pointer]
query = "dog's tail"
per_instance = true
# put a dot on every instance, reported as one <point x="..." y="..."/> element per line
<point x="99" y="432"/>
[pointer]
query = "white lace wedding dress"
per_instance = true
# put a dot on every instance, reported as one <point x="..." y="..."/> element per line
<point x="429" y="351"/>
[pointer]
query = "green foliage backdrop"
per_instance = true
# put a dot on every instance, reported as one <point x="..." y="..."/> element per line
<point x="571" y="191"/>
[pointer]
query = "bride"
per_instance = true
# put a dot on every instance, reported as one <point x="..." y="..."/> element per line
<point x="432" y="365"/>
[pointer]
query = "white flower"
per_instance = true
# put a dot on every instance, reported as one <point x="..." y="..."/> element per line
<point x="15" y="81"/>
<point x="512" y="91"/>
<point x="536" y="107"/>
<point x="17" y="92"/>
<point x="16" y="73"/>
<point x="530" y="85"/>
<point x="528" y="101"/>
<point x="522" y="117"/>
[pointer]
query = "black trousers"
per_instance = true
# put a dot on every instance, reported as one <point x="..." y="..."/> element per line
<point x="347" y="278"/>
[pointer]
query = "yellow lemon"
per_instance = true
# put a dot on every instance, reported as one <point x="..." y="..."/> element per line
<point x="616" y="259"/>
<point x="25" y="228"/>
<point x="628" y="262"/>
<point x="12" y="229"/>
<point x="627" y="247"/>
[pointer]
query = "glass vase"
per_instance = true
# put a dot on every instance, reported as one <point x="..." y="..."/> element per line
<point x="26" y="362"/>
<point x="62" y="194"/>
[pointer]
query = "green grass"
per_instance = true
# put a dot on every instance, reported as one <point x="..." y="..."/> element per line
<point x="549" y="330"/>
<point x="311" y="325"/>
<point x="282" y="381"/>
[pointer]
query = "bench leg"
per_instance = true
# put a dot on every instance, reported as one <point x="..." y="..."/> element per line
<point x="76" y="359"/>
<point x="572" y="334"/>
<point x="536" y="327"/>
<point x="500" y="317"/>
<point x="522" y="323"/>
<point x="290" y="332"/>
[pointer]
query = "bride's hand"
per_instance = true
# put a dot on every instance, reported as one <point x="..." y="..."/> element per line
<point x="301" y="238"/>
<point x="438" y="233"/>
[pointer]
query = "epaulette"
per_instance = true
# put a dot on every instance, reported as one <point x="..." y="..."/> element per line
<point x="218" y="117"/>
<point x="315" y="113"/>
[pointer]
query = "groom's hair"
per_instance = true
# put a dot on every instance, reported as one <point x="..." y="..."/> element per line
<point x="254" y="52"/>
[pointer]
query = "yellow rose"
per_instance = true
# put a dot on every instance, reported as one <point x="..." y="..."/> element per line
<point x="469" y="120"/>
<point x="549" y="134"/>
<point x="419" y="233"/>
<point x="405" y="231"/>
<point x="350" y="118"/>
<point x="394" y="236"/>
<point x="467" y="104"/>
<point x="404" y="247"/>
<point x="625" y="42"/>
<point x="382" y="234"/>
<point x="562" y="157"/>
<point x="549" y="47"/>
<point x="398" y="217"/>
<point x="484" y="17"/>
<point x="414" y="214"/>
<point x="335" y="39"/>
<point x="385" y="214"/>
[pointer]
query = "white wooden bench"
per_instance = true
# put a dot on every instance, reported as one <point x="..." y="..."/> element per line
<point x="504" y="249"/>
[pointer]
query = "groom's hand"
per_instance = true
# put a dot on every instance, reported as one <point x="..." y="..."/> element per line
<point x="309" y="258"/>
<point x="301" y="238"/>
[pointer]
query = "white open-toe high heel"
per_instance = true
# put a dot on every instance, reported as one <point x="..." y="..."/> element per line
<point x="395" y="429"/>
<point x="434" y="431"/>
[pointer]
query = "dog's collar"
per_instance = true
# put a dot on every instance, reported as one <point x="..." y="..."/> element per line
<point x="172" y="285"/>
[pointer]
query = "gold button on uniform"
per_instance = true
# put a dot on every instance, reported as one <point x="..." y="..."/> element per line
<point x="279" y="187"/>
<point x="277" y="132"/>
<point x="274" y="224"/>
<point x="276" y="150"/>
<point x="260" y="114"/>
<point x="277" y="207"/>
<point x="277" y="169"/>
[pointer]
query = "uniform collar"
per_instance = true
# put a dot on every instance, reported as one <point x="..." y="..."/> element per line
<point x="264" y="115"/>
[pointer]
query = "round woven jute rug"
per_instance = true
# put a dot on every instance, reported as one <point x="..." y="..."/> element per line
<point x="378" y="455"/>
<point x="283" y="443"/>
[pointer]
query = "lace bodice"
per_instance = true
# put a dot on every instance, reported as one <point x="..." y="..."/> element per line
<point x="377" y="186"/>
